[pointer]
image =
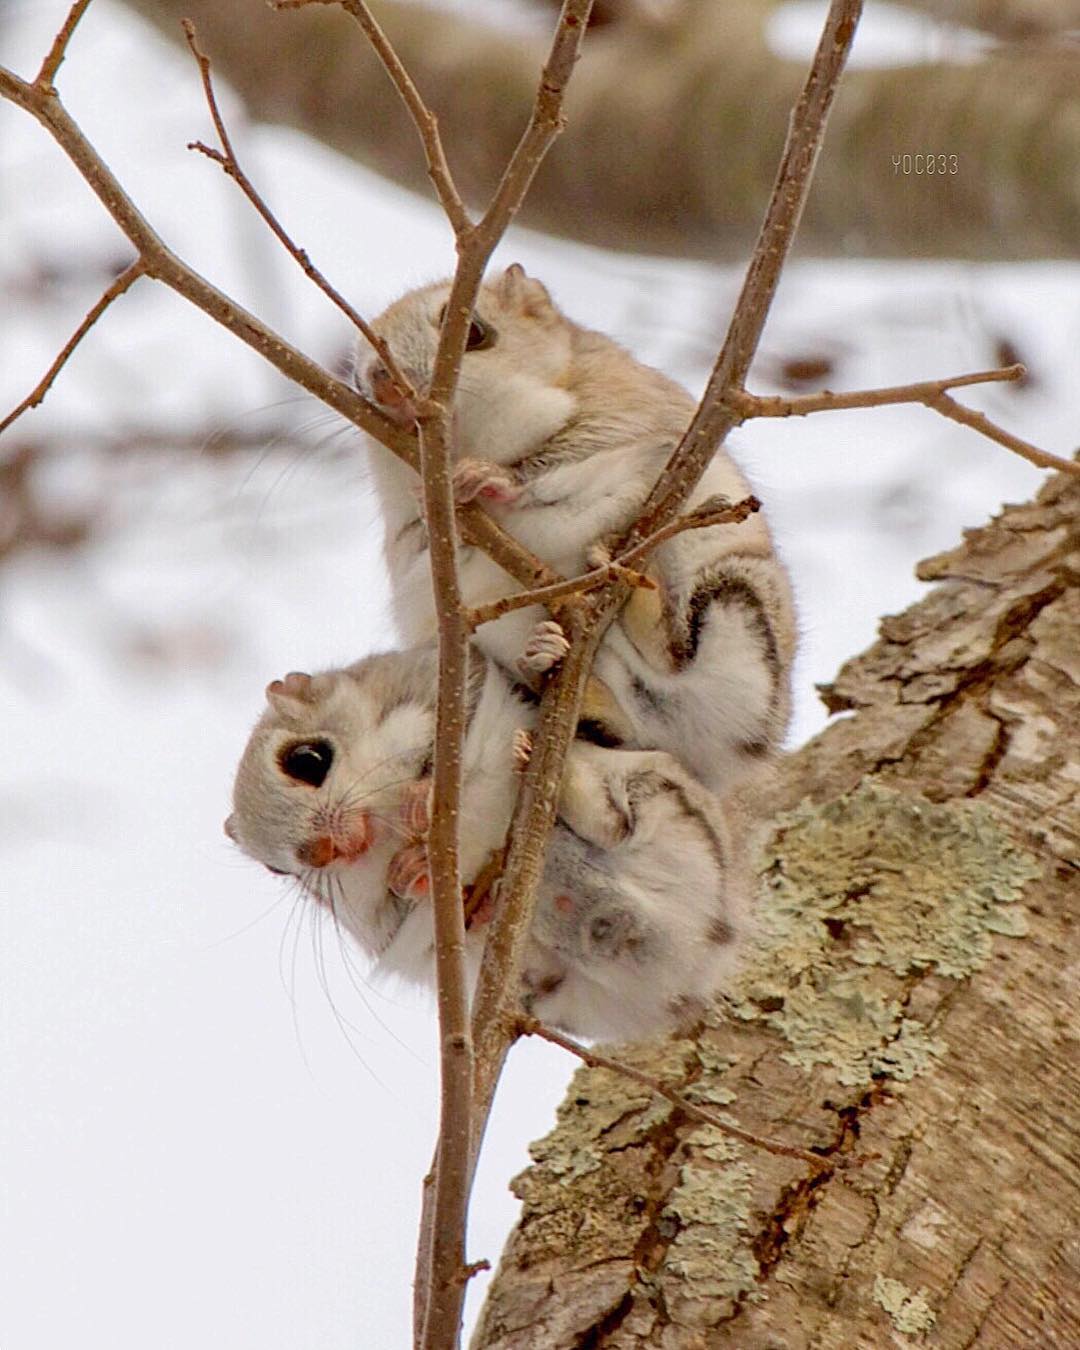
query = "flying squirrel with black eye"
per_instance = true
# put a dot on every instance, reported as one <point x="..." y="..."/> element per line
<point x="560" y="433"/>
<point x="643" y="906"/>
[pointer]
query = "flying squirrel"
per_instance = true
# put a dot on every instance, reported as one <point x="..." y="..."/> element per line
<point x="560" y="433"/>
<point x="643" y="905"/>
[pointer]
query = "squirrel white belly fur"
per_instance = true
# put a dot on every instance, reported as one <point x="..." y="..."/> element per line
<point x="642" y="907"/>
<point x="561" y="433"/>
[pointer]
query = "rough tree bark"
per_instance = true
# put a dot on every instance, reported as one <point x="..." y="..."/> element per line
<point x="915" y="1005"/>
<point x="675" y="129"/>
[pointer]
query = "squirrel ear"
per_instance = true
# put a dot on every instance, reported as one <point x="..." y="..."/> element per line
<point x="287" y="697"/>
<point x="524" y="293"/>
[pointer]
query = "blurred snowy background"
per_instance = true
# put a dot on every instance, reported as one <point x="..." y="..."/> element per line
<point x="213" y="1127"/>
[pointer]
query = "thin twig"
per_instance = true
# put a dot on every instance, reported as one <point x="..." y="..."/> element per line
<point x="930" y="393"/>
<point x="122" y="283"/>
<point x="47" y="74"/>
<point x="771" y="405"/>
<point x="530" y="1026"/>
<point x="715" y="511"/>
<point x="227" y="158"/>
<point x="715" y="417"/>
<point x="424" y="119"/>
<point x="948" y="407"/>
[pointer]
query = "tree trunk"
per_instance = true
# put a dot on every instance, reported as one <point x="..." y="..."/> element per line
<point x="674" y="130"/>
<point x="915" y="1007"/>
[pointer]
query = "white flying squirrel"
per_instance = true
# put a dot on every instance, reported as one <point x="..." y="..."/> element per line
<point x="561" y="433"/>
<point x="643" y="905"/>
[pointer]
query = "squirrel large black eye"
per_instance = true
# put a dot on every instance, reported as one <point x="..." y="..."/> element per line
<point x="481" y="334"/>
<point x="307" y="761"/>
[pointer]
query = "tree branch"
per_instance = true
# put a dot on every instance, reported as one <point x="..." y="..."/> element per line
<point x="460" y="1133"/>
<point x="749" y="405"/>
<point x="443" y="1264"/>
<point x="441" y="1255"/>
<point x="930" y="393"/>
<point x="967" y="417"/>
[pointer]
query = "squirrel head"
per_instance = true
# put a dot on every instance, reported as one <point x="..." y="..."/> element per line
<point x="514" y="389"/>
<point x="324" y="770"/>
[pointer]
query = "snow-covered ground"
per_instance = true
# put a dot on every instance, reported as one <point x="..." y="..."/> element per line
<point x="212" y="1126"/>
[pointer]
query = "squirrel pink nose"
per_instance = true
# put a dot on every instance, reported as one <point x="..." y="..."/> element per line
<point x="327" y="848"/>
<point x="316" y="852"/>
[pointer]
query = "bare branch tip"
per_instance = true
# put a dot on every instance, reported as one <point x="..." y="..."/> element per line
<point x="474" y="1268"/>
<point x="53" y="60"/>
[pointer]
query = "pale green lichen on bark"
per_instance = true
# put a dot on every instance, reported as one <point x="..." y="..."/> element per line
<point x="910" y="1313"/>
<point x="868" y="886"/>
<point x="710" y="1252"/>
<point x="843" y="1022"/>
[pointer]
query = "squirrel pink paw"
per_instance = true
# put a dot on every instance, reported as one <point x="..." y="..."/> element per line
<point x="414" y="810"/>
<point x="546" y="647"/>
<point x="480" y="478"/>
<point x="408" y="876"/>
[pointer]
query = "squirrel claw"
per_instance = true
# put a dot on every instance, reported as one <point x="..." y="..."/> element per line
<point x="407" y="876"/>
<point x="521" y="749"/>
<point x="546" y="647"/>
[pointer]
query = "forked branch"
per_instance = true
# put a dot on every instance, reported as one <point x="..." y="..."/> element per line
<point x="931" y="393"/>
<point x="160" y="263"/>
